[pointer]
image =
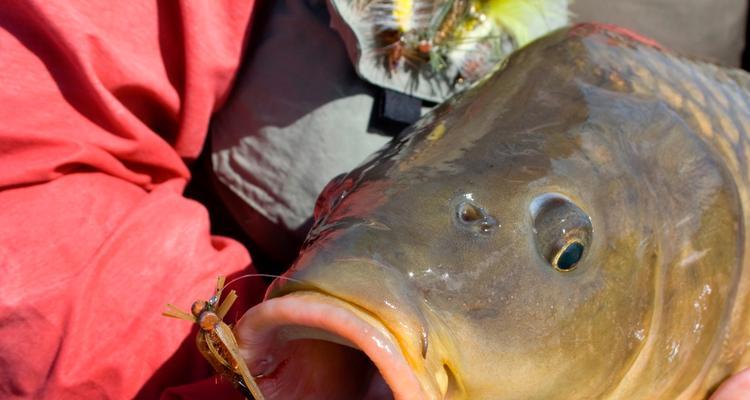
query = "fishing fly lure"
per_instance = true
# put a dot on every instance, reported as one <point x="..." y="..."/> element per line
<point x="215" y="339"/>
<point x="434" y="48"/>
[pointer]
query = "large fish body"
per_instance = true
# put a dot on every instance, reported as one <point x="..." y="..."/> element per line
<point x="572" y="227"/>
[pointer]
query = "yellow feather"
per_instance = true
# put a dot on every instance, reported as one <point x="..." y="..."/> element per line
<point x="526" y="20"/>
<point x="402" y="13"/>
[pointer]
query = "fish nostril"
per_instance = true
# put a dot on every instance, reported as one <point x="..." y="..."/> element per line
<point x="471" y="216"/>
<point x="469" y="213"/>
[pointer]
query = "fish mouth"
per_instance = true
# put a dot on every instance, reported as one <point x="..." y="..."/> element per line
<point x="309" y="345"/>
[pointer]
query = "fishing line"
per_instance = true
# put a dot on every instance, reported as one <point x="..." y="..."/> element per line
<point x="262" y="276"/>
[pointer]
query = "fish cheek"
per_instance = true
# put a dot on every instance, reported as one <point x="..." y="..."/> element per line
<point x="585" y="327"/>
<point x="539" y="333"/>
<point x="529" y="330"/>
<point x="604" y="313"/>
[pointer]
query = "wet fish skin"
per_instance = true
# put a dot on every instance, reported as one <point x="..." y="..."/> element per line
<point x="653" y="148"/>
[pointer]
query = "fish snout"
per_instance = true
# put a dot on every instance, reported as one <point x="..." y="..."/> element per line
<point x="344" y="328"/>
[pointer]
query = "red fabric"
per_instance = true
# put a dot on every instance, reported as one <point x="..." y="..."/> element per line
<point x="101" y="105"/>
<point x="604" y="30"/>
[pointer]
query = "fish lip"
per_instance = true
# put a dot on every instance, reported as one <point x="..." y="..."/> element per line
<point x="260" y="328"/>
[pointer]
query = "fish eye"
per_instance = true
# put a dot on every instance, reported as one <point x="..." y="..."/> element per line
<point x="472" y="217"/>
<point x="562" y="231"/>
<point x="567" y="258"/>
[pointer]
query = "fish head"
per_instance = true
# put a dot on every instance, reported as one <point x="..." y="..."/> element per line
<point x="525" y="240"/>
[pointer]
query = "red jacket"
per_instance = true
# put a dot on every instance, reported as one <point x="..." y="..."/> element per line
<point x="102" y="103"/>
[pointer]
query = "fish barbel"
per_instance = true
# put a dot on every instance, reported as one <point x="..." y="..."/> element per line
<point x="572" y="227"/>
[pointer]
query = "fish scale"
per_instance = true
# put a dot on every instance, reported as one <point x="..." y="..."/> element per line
<point x="713" y="98"/>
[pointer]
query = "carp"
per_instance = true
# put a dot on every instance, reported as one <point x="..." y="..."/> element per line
<point x="571" y="227"/>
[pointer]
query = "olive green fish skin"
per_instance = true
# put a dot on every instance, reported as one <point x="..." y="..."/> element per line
<point x="647" y="153"/>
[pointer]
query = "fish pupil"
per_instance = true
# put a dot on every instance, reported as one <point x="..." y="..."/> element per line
<point x="570" y="256"/>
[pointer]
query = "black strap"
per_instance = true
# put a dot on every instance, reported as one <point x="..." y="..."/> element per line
<point x="393" y="111"/>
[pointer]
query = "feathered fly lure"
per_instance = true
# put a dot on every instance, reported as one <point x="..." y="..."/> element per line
<point x="215" y="339"/>
<point x="445" y="42"/>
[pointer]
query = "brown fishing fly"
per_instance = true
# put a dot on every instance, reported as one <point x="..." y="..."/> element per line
<point x="215" y="339"/>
